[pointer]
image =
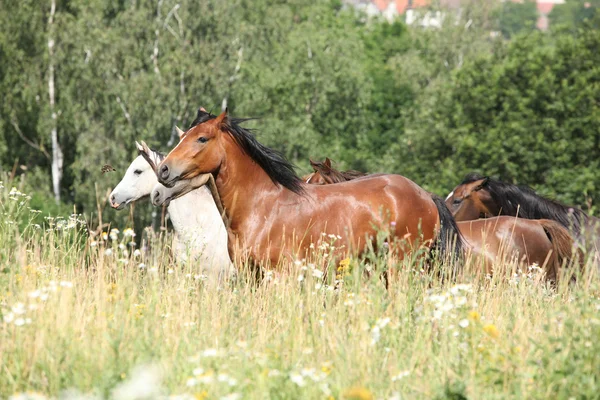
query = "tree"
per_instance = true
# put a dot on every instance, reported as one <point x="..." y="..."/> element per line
<point x="527" y="113"/>
<point x="573" y="13"/>
<point x="516" y="17"/>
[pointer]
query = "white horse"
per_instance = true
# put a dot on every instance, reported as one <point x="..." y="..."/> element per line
<point x="199" y="229"/>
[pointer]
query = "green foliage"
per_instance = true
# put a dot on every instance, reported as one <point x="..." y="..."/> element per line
<point x="516" y="17"/>
<point x="573" y="12"/>
<point x="322" y="79"/>
<point x="527" y="113"/>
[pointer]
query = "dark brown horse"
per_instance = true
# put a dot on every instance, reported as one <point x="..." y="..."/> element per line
<point x="325" y="174"/>
<point x="274" y="214"/>
<point x="543" y="242"/>
<point x="479" y="196"/>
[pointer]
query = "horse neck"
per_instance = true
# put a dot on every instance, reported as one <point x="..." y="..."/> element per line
<point x="242" y="184"/>
<point x="534" y="206"/>
<point x="195" y="212"/>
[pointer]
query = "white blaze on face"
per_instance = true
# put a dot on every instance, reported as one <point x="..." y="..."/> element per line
<point x="450" y="195"/>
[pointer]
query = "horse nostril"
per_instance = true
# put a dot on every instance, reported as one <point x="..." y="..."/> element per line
<point x="112" y="198"/>
<point x="164" y="172"/>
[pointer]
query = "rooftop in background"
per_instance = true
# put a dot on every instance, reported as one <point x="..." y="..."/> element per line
<point x="391" y="9"/>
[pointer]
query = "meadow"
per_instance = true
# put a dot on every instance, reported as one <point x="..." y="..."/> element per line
<point x="88" y="315"/>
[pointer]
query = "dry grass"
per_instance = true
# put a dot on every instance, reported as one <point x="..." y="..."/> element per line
<point x="104" y="322"/>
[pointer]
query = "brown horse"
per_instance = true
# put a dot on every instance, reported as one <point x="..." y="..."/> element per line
<point x="479" y="196"/>
<point x="325" y="174"/>
<point x="274" y="215"/>
<point x="542" y="242"/>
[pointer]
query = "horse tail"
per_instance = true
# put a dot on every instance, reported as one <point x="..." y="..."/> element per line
<point x="449" y="243"/>
<point x="562" y="248"/>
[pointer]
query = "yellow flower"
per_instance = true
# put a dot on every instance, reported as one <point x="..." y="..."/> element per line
<point x="201" y="395"/>
<point x="491" y="330"/>
<point x="474" y="315"/>
<point x="345" y="262"/>
<point x="326" y="368"/>
<point x="517" y="349"/>
<point x="358" y="393"/>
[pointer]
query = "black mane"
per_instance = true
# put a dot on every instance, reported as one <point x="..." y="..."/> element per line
<point x="523" y="201"/>
<point x="271" y="161"/>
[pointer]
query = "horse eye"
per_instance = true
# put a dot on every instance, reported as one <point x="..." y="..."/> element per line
<point x="202" y="140"/>
<point x="457" y="201"/>
<point x="137" y="172"/>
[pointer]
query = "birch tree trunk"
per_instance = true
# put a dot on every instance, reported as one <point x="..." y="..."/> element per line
<point x="57" y="154"/>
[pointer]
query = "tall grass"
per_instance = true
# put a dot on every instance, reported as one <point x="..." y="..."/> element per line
<point x="84" y="315"/>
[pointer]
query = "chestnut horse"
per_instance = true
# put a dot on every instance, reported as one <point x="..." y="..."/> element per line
<point x="542" y="242"/>
<point x="325" y="174"/>
<point x="479" y="196"/>
<point x="274" y="215"/>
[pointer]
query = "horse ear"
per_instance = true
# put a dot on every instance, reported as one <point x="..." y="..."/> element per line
<point x="202" y="109"/>
<point x="481" y="185"/>
<point x="221" y="119"/>
<point x="328" y="162"/>
<point x="180" y="132"/>
<point x="313" y="164"/>
<point x="146" y="153"/>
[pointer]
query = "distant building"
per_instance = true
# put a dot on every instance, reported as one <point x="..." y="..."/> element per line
<point x="391" y="9"/>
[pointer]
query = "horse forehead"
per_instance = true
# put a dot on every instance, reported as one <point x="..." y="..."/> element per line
<point x="450" y="195"/>
<point x="139" y="163"/>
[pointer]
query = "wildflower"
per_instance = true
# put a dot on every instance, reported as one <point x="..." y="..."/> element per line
<point x="300" y="278"/>
<point x="463" y="323"/>
<point x="317" y="274"/>
<point x="170" y="271"/>
<point x="66" y="284"/>
<point x="137" y="253"/>
<point x="9" y="317"/>
<point x="207" y="378"/>
<point x="210" y="353"/>
<point x="128" y="232"/>
<point x="297" y="379"/>
<point x="232" y="396"/>
<point x="474" y="316"/>
<point x="19" y="321"/>
<point x="226" y="378"/>
<point x="93" y="243"/>
<point x="462" y="287"/>
<point x="28" y="396"/>
<point x="122" y="246"/>
<point x="108" y="252"/>
<point x="19" y="308"/>
<point x="491" y="330"/>
<point x="400" y="376"/>
<point x="191" y="382"/>
<point x="273" y="372"/>
<point x="358" y="393"/>
<point x="345" y="262"/>
<point x="141" y="265"/>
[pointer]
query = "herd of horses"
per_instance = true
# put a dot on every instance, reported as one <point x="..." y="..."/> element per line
<point x="232" y="199"/>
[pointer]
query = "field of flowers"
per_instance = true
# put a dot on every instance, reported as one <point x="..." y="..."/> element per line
<point x="89" y="316"/>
